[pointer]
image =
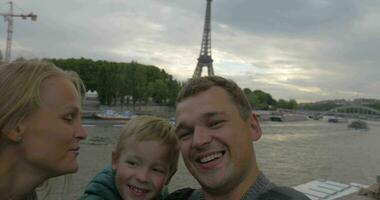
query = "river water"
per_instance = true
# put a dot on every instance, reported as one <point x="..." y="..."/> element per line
<point x="289" y="153"/>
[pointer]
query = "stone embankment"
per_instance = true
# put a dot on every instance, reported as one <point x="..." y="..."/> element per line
<point x="279" y="116"/>
<point x="91" y="105"/>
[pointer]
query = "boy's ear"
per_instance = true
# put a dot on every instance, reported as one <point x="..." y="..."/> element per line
<point x="114" y="160"/>
<point x="255" y="128"/>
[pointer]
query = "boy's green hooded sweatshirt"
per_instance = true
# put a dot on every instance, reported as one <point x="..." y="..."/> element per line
<point x="102" y="187"/>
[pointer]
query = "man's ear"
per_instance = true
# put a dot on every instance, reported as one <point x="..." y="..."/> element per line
<point x="114" y="160"/>
<point x="254" y="127"/>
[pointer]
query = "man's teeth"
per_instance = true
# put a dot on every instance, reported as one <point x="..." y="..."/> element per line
<point x="210" y="157"/>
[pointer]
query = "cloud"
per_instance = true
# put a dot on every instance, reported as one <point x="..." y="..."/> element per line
<point x="305" y="50"/>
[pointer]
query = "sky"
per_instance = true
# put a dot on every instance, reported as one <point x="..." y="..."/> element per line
<point x="308" y="50"/>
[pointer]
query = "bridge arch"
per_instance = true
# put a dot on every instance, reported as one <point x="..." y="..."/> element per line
<point x="354" y="111"/>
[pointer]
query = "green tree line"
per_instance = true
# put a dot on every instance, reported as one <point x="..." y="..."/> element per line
<point x="124" y="83"/>
<point x="261" y="100"/>
<point x="131" y="83"/>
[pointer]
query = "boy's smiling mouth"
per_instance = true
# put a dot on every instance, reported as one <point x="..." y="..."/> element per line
<point x="139" y="192"/>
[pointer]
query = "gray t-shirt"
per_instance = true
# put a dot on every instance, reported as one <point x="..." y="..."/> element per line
<point x="261" y="185"/>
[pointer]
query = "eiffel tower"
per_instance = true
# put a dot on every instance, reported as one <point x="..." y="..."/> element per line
<point x="205" y="59"/>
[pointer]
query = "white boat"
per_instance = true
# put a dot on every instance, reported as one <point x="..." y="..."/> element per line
<point x="337" y="120"/>
<point x="113" y="115"/>
<point x="358" y="125"/>
<point x="328" y="190"/>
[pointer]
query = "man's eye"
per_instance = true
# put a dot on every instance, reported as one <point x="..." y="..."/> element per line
<point x="215" y="124"/>
<point x="184" y="135"/>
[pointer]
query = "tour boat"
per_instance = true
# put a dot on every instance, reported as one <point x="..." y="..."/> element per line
<point x="358" y="125"/>
<point x="113" y="115"/>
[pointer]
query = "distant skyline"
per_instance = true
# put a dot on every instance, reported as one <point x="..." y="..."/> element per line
<point x="308" y="50"/>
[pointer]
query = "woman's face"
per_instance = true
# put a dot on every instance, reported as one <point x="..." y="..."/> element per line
<point x="52" y="133"/>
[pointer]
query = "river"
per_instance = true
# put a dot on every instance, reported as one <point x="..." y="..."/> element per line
<point x="289" y="153"/>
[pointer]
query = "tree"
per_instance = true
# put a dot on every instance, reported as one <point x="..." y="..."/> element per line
<point x="20" y="59"/>
<point x="259" y="100"/>
<point x="291" y="104"/>
<point x="160" y="91"/>
<point x="117" y="82"/>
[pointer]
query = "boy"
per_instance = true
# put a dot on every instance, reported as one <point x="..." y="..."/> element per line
<point x="145" y="159"/>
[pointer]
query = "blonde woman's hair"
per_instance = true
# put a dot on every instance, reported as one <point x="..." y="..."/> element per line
<point x="149" y="128"/>
<point x="20" y="89"/>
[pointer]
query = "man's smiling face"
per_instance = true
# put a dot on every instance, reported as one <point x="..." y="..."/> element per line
<point x="216" y="143"/>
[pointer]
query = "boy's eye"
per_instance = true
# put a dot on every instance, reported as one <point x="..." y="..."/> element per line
<point x="131" y="163"/>
<point x="159" y="170"/>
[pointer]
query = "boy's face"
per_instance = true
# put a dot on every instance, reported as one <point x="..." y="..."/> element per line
<point x="142" y="169"/>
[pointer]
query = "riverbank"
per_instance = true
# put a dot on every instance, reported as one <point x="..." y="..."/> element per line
<point x="289" y="153"/>
<point x="156" y="110"/>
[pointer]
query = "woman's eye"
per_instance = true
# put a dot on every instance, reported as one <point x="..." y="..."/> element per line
<point x="68" y="117"/>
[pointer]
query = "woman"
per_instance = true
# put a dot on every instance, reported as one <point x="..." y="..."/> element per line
<point x="40" y="126"/>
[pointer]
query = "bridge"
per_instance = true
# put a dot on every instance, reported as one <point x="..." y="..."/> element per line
<point x="351" y="111"/>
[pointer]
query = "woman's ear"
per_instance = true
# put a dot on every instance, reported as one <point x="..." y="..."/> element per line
<point x="15" y="134"/>
<point x="254" y="127"/>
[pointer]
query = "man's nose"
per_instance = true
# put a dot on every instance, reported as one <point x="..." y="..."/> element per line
<point x="201" y="137"/>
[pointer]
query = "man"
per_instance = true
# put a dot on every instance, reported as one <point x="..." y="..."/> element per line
<point x="216" y="128"/>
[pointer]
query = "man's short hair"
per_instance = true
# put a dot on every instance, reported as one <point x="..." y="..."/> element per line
<point x="150" y="128"/>
<point x="198" y="85"/>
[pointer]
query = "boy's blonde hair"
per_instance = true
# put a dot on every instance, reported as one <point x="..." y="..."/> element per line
<point x="149" y="128"/>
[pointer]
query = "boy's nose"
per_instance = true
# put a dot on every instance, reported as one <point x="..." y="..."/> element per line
<point x="142" y="175"/>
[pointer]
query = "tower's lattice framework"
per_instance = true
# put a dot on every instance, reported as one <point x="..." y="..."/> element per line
<point x="205" y="59"/>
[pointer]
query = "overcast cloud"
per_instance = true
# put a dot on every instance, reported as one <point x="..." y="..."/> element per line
<point x="301" y="49"/>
